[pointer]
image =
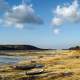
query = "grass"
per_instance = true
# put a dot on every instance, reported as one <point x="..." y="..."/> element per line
<point x="58" y="66"/>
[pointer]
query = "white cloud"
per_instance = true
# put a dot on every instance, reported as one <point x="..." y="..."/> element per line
<point x="57" y="21"/>
<point x="69" y="13"/>
<point x="20" y="26"/>
<point x="20" y="15"/>
<point x="56" y="31"/>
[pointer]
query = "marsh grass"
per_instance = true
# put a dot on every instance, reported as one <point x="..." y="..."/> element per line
<point x="65" y="65"/>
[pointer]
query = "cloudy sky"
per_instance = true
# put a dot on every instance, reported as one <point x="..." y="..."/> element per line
<point x="42" y="23"/>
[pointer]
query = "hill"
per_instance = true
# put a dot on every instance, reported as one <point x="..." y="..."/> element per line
<point x="75" y="48"/>
<point x="18" y="47"/>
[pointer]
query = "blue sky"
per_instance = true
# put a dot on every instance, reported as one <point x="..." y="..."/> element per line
<point x="42" y="23"/>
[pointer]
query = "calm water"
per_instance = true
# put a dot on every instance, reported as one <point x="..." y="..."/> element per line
<point x="9" y="59"/>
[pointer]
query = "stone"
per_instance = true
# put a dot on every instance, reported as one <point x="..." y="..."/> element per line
<point x="24" y="67"/>
<point x="35" y="72"/>
<point x="66" y="73"/>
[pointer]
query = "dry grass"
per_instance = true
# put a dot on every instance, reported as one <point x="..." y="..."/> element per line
<point x="62" y="66"/>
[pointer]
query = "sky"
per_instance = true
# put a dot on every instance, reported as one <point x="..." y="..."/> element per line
<point x="43" y="23"/>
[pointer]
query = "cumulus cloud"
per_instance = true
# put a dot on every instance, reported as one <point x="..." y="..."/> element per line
<point x="57" y="21"/>
<point x="20" y="15"/>
<point x="69" y="13"/>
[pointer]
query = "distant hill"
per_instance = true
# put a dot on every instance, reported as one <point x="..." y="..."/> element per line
<point x="75" y="48"/>
<point x="18" y="47"/>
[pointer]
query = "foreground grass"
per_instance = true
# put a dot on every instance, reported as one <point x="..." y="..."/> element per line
<point x="62" y="65"/>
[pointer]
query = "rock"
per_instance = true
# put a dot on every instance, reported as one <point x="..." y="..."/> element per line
<point x="55" y="75"/>
<point x="66" y="73"/>
<point x="35" y="72"/>
<point x="24" y="67"/>
<point x="28" y="78"/>
<point x="39" y="65"/>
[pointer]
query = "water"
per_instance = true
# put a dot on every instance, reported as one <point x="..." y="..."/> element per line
<point x="9" y="59"/>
